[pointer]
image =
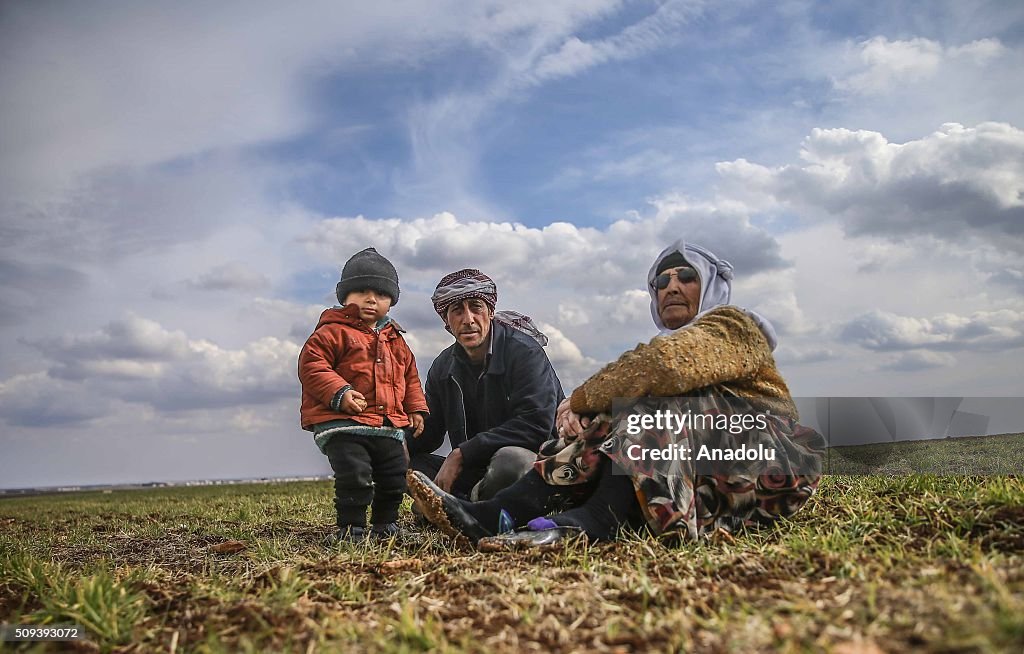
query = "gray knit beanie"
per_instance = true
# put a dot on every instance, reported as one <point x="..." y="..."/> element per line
<point x="367" y="269"/>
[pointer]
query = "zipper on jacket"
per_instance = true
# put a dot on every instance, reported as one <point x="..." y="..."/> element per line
<point x="462" y="413"/>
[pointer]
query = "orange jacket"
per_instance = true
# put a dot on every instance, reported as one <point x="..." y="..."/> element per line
<point x="344" y="350"/>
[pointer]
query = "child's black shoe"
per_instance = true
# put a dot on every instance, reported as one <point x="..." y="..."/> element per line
<point x="352" y="534"/>
<point x="391" y="531"/>
<point x="386" y="531"/>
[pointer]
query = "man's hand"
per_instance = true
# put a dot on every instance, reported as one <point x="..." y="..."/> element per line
<point x="449" y="471"/>
<point x="353" y="402"/>
<point x="417" y="424"/>
<point x="569" y="424"/>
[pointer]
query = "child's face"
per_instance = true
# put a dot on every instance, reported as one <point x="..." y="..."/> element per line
<point x="373" y="305"/>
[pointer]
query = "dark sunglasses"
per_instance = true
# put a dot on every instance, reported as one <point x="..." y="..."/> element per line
<point x="664" y="279"/>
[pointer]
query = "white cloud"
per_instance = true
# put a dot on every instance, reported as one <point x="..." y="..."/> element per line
<point x="983" y="330"/>
<point x="882" y="64"/>
<point x="524" y="260"/>
<point x="230" y="276"/>
<point x="36" y="400"/>
<point x="964" y="72"/>
<point x="576" y="55"/>
<point x="588" y="282"/>
<point x="277" y="316"/>
<point x="567" y="359"/>
<point x="129" y="87"/>
<point x="628" y="307"/>
<point x="887" y="62"/>
<point x="446" y="132"/>
<point x="773" y="294"/>
<point x="926" y="279"/>
<point x="120" y="212"/>
<point x="250" y="420"/>
<point x="571" y="312"/>
<point x="132" y="339"/>
<point x="981" y="51"/>
<point x="147" y="85"/>
<point x="27" y="285"/>
<point x="954" y="183"/>
<point x="138" y="360"/>
<point x="786" y="355"/>
<point x="918" y="360"/>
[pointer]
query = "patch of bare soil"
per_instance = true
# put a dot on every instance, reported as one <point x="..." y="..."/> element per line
<point x="1003" y="531"/>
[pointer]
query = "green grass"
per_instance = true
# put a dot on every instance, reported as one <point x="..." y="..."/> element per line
<point x="924" y="563"/>
<point x="1002" y="454"/>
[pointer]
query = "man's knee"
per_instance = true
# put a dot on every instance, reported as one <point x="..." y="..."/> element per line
<point x="506" y="467"/>
<point x="513" y="458"/>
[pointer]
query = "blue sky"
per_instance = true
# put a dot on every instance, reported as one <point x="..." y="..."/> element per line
<point x="180" y="185"/>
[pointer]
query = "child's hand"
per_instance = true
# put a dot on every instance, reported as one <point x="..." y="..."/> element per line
<point x="353" y="402"/>
<point x="417" y="424"/>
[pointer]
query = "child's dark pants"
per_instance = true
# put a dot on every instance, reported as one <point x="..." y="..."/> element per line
<point x="367" y="469"/>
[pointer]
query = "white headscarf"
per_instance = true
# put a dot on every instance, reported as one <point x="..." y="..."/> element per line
<point x="715" y="286"/>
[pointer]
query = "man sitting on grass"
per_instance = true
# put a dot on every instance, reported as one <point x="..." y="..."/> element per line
<point x="493" y="392"/>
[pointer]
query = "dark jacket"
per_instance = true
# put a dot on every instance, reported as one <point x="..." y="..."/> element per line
<point x="519" y="393"/>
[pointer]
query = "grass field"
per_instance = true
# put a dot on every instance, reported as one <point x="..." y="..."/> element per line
<point x="874" y="563"/>
<point x="974" y="455"/>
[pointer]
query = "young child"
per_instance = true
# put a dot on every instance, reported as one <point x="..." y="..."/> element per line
<point x="360" y="387"/>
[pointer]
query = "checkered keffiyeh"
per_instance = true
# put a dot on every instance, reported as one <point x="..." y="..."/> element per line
<point x="470" y="283"/>
<point x="463" y="285"/>
<point x="525" y="324"/>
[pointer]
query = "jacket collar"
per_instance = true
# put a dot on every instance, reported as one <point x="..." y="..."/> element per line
<point x="350" y="316"/>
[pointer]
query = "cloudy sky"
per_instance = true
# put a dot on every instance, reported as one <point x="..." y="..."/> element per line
<point x="181" y="182"/>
